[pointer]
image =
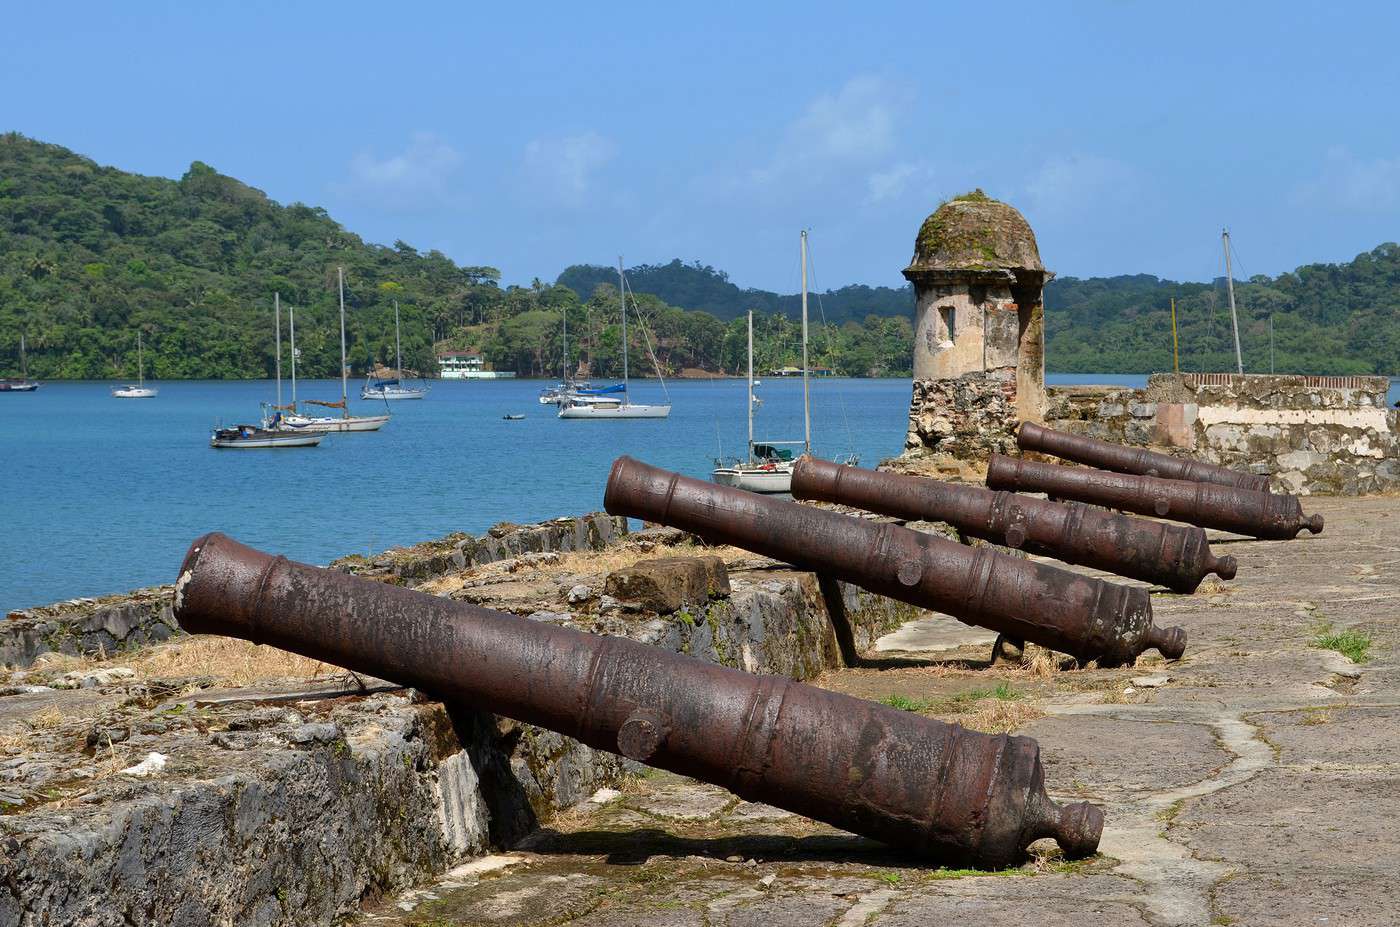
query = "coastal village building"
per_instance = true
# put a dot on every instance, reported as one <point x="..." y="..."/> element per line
<point x="468" y="365"/>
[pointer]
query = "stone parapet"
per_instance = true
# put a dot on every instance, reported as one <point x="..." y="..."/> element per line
<point x="1331" y="435"/>
<point x="293" y="804"/>
<point x="117" y="623"/>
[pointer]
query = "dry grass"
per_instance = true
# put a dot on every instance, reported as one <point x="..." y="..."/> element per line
<point x="1042" y="663"/>
<point x="625" y="555"/>
<point x="13" y="742"/>
<point x="109" y="760"/>
<point x="1213" y="586"/>
<point x="1001" y="716"/>
<point x="577" y="563"/>
<point x="50" y="719"/>
<point x="227" y="660"/>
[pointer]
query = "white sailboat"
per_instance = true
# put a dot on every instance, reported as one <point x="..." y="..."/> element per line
<point x="768" y="468"/>
<point x="23" y="384"/>
<point x="608" y="405"/>
<point x="394" y="388"/>
<point x="271" y="432"/>
<point x="140" y="390"/>
<point x="346" y="422"/>
<point x="567" y="385"/>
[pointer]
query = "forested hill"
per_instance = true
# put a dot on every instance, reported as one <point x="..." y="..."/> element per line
<point x="699" y="286"/>
<point x="89" y="254"/>
<point x="1326" y="319"/>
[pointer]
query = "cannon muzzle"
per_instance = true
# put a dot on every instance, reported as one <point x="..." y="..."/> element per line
<point x="1243" y="511"/>
<point x="1174" y="556"/>
<point x="1123" y="459"/>
<point x="1065" y="611"/>
<point x="934" y="788"/>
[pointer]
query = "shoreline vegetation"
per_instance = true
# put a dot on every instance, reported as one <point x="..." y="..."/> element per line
<point x="93" y="255"/>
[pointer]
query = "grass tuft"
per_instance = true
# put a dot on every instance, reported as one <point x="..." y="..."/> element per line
<point x="904" y="703"/>
<point x="1350" y="644"/>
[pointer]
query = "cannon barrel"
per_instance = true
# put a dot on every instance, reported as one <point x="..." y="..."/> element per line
<point x="1243" y="511"/>
<point x="898" y="777"/>
<point x="1174" y="556"/>
<point x="1122" y="459"/>
<point x="1065" y="611"/>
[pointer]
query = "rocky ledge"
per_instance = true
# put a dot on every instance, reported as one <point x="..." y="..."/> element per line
<point x="206" y="781"/>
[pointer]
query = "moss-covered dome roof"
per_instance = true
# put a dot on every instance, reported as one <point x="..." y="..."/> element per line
<point x="974" y="232"/>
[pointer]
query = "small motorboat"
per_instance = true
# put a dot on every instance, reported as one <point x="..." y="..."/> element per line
<point x="513" y="418"/>
<point x="252" y="436"/>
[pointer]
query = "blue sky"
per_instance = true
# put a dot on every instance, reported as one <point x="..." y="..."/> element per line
<point x="532" y="136"/>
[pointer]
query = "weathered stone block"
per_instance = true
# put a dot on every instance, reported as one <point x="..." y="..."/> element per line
<point x="668" y="584"/>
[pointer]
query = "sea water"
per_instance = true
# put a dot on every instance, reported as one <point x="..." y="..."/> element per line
<point x="104" y="495"/>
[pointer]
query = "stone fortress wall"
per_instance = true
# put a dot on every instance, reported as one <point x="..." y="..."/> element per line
<point x="979" y="369"/>
<point x="1328" y="435"/>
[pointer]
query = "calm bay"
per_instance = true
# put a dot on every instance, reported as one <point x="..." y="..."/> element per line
<point x="104" y="495"/>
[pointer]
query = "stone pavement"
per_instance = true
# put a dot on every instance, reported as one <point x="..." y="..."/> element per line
<point x="1254" y="782"/>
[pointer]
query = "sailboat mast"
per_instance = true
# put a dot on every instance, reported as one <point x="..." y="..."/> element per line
<point x="398" y="346"/>
<point x="622" y="294"/>
<point x="344" y="385"/>
<point x="23" y="359"/>
<point x="750" y="386"/>
<point x="1230" y="288"/>
<point x="806" y="399"/>
<point x="277" y="322"/>
<point x="565" y="379"/>
<point x="292" y="328"/>
<point x="140" y="362"/>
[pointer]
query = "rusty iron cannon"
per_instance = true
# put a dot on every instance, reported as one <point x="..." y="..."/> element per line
<point x="1122" y="459"/>
<point x="1174" y="556"/>
<point x="934" y="788"/>
<point x="1243" y="511"/>
<point x="1078" y="615"/>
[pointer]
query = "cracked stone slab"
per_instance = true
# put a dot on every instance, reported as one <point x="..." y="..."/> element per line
<point x="680" y="800"/>
<point x="934" y="634"/>
<point x="1106" y="754"/>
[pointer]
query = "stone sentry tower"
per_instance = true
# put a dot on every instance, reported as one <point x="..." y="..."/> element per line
<point x="979" y="329"/>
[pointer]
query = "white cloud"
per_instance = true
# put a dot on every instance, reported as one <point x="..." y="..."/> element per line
<point x="893" y="182"/>
<point x="564" y="168"/>
<point x="1081" y="183"/>
<point x="855" y="126"/>
<point x="416" y="178"/>
<point x="856" y="123"/>
<point x="1352" y="184"/>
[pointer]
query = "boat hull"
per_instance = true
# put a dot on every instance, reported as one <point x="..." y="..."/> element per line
<point x="134" y="392"/>
<point x="264" y="440"/>
<point x="777" y="480"/>
<point x="22" y="387"/>
<point x="393" y="393"/>
<point x="338" y="425"/>
<point x="603" y="411"/>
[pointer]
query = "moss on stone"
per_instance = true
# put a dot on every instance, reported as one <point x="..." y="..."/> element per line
<point x="973" y="232"/>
